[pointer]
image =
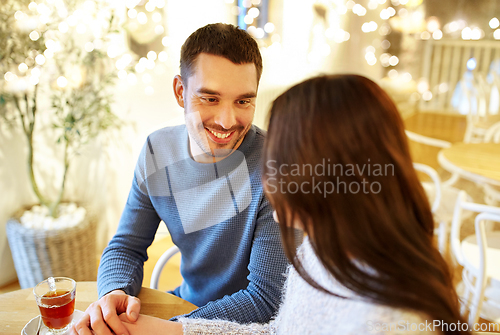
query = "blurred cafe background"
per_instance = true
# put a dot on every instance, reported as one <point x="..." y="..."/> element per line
<point x="83" y="82"/>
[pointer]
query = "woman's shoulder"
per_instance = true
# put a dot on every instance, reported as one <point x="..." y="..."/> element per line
<point x="345" y="312"/>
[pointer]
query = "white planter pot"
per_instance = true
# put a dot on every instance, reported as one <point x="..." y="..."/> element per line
<point x="41" y="253"/>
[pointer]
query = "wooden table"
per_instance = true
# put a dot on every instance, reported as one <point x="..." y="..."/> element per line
<point x="478" y="162"/>
<point x="18" y="307"/>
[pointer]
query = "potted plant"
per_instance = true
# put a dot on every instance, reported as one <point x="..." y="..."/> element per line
<point x="57" y="71"/>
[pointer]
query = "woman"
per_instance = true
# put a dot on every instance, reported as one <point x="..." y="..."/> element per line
<point x="337" y="166"/>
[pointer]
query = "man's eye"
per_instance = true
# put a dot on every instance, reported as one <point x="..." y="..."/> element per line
<point x="243" y="102"/>
<point x="210" y="99"/>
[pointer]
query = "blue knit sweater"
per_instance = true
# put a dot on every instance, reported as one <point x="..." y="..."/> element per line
<point x="232" y="261"/>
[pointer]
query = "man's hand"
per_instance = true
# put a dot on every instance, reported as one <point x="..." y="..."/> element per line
<point x="101" y="317"/>
<point x="148" y="325"/>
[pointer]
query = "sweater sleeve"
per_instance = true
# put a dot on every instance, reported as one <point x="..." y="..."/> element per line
<point x="122" y="261"/>
<point x="216" y="327"/>
<point x="267" y="267"/>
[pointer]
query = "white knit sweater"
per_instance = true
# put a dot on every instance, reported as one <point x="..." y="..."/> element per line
<point x="306" y="310"/>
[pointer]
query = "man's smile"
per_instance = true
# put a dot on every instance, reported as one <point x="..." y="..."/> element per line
<point x="220" y="137"/>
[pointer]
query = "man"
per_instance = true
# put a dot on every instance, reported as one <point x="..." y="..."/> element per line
<point x="203" y="180"/>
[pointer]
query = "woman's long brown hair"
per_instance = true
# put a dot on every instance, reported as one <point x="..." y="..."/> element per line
<point x="344" y="133"/>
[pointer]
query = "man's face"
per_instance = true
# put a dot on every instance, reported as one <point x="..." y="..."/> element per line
<point x="219" y="105"/>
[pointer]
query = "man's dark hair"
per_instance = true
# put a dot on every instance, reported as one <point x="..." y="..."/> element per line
<point x="223" y="40"/>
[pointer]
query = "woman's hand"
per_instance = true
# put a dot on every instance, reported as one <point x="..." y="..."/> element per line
<point x="148" y="325"/>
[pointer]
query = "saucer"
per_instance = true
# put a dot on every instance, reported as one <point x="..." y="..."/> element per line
<point x="31" y="327"/>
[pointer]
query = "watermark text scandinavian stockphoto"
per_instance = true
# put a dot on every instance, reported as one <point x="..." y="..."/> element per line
<point x="429" y="326"/>
<point x="276" y="181"/>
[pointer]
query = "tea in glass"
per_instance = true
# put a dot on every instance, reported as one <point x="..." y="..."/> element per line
<point x="56" y="300"/>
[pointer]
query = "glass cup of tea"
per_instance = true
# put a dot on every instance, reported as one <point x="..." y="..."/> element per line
<point x="55" y="298"/>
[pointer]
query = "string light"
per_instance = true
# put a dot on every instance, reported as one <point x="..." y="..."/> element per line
<point x="427" y="96"/>
<point x="246" y="3"/>
<point x="494" y="23"/>
<point x="152" y="55"/>
<point x="432" y="24"/>
<point x="32" y="6"/>
<point x="132" y="13"/>
<point x="62" y="82"/>
<point x="392" y="74"/>
<point x="259" y="33"/>
<point x="393" y="61"/>
<point x="384" y="14"/>
<point x="34" y="35"/>
<point x="19" y="15"/>
<point x="425" y="35"/>
<point x="466" y="33"/>
<point x="23" y="67"/>
<point x="403" y="12"/>
<point x="269" y="27"/>
<point x="370" y="58"/>
<point x="406" y="77"/>
<point x="253" y="12"/>
<point x="422" y="86"/>
<point x="443" y="88"/>
<point x="9" y="76"/>
<point x="150" y="6"/>
<point x="359" y="10"/>
<point x="384" y="59"/>
<point x="40" y="59"/>
<point x="248" y="19"/>
<point x="369" y="26"/>
<point x="437" y="35"/>
<point x="477" y="33"/>
<point x="82" y="20"/>
<point x="372" y="4"/>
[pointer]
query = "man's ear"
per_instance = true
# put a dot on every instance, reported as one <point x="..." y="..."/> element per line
<point x="179" y="90"/>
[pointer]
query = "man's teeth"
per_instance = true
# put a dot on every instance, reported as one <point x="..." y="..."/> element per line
<point x="219" y="135"/>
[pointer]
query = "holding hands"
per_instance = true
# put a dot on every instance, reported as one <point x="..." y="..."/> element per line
<point x="102" y="317"/>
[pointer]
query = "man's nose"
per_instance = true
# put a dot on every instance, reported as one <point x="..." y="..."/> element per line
<point x="226" y="117"/>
